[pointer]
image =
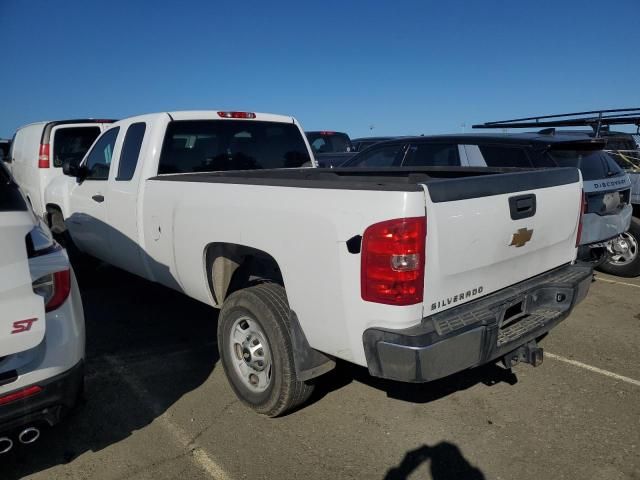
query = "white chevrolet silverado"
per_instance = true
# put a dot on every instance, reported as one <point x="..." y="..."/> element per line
<point x="415" y="274"/>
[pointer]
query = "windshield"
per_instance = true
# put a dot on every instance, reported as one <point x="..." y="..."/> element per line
<point x="219" y="145"/>
<point x="594" y="164"/>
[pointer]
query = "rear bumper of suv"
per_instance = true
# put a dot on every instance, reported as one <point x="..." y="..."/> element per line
<point x="599" y="228"/>
<point x="58" y="395"/>
<point x="477" y="332"/>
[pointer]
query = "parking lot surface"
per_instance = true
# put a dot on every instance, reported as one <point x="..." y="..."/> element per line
<point x="158" y="405"/>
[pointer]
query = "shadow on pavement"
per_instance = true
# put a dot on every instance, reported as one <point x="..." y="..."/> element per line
<point x="147" y="346"/>
<point x="446" y="463"/>
<point x="489" y="375"/>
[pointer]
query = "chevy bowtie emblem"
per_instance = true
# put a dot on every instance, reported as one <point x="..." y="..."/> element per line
<point x="522" y="236"/>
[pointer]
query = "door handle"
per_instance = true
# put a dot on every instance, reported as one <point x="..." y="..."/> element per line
<point x="522" y="206"/>
<point x="98" y="198"/>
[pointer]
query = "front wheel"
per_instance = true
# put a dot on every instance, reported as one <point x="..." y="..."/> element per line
<point x="624" y="253"/>
<point x="254" y="339"/>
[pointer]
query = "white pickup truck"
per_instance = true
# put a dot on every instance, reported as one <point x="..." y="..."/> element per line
<point x="415" y="274"/>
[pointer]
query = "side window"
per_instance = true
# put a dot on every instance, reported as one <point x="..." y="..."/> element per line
<point x="432" y="155"/>
<point x="99" y="159"/>
<point x="499" y="156"/>
<point x="130" y="151"/>
<point x="387" y="156"/>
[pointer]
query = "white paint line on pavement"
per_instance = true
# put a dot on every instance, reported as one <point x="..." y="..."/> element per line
<point x="616" y="282"/>
<point x="198" y="454"/>
<point x="591" y="368"/>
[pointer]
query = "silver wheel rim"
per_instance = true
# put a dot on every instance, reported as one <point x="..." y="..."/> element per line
<point x="624" y="249"/>
<point x="250" y="355"/>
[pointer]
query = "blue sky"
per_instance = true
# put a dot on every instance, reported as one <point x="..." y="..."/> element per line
<point x="405" y="67"/>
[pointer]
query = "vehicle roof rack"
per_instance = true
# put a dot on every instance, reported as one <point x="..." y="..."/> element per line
<point x="598" y="120"/>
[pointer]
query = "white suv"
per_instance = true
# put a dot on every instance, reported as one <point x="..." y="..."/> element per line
<point x="42" y="336"/>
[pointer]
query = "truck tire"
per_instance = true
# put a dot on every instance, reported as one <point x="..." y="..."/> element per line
<point x="627" y="264"/>
<point x="254" y="340"/>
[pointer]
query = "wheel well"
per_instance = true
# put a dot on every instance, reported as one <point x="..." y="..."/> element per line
<point x="230" y="267"/>
<point x="55" y="218"/>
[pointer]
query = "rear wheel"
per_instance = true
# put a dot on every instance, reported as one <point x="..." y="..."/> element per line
<point x="624" y="253"/>
<point x="254" y="339"/>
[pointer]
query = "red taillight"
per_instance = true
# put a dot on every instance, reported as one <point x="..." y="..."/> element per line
<point x="583" y="209"/>
<point x="43" y="156"/>
<point x="393" y="259"/>
<point x="61" y="289"/>
<point x="237" y="114"/>
<point x="326" y="132"/>
<point x="20" y="394"/>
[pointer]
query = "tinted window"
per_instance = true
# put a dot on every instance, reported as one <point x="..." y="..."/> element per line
<point x="385" y="156"/>
<point x="329" y="142"/>
<point x="99" y="159"/>
<point x="432" y="155"/>
<point x="70" y="144"/>
<point x="218" y="145"/>
<point x="627" y="160"/>
<point x="592" y="163"/>
<point x="611" y="165"/>
<point x="130" y="151"/>
<point x="499" y="156"/>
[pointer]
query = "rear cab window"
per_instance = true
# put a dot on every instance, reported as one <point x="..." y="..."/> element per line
<point x="70" y="144"/>
<point x="221" y="145"/>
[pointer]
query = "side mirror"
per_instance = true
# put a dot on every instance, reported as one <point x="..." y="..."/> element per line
<point x="72" y="170"/>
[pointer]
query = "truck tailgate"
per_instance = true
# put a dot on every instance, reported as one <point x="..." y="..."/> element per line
<point x="489" y="232"/>
<point x="22" y="316"/>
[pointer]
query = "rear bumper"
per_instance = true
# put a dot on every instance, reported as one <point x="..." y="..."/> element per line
<point x="599" y="228"/>
<point x="59" y="394"/>
<point x="477" y="332"/>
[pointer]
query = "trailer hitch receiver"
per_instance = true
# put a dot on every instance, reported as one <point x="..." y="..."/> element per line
<point x="529" y="353"/>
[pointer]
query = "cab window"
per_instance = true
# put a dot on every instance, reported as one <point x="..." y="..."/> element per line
<point x="130" y="151"/>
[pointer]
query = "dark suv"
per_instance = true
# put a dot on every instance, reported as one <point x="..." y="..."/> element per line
<point x="606" y="186"/>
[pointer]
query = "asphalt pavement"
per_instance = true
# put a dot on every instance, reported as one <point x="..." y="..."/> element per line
<point x="159" y="407"/>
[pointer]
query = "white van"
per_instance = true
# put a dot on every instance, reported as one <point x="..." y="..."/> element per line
<point x="39" y="150"/>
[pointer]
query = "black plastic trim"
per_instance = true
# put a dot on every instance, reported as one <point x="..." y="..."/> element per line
<point x="310" y="363"/>
<point x="59" y="395"/>
<point x="475" y="333"/>
<point x="475" y="187"/>
<point x="444" y="183"/>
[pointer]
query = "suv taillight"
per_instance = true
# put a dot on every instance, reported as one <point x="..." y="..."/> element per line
<point x="583" y="209"/>
<point x="54" y="288"/>
<point x="43" y="156"/>
<point x="393" y="259"/>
